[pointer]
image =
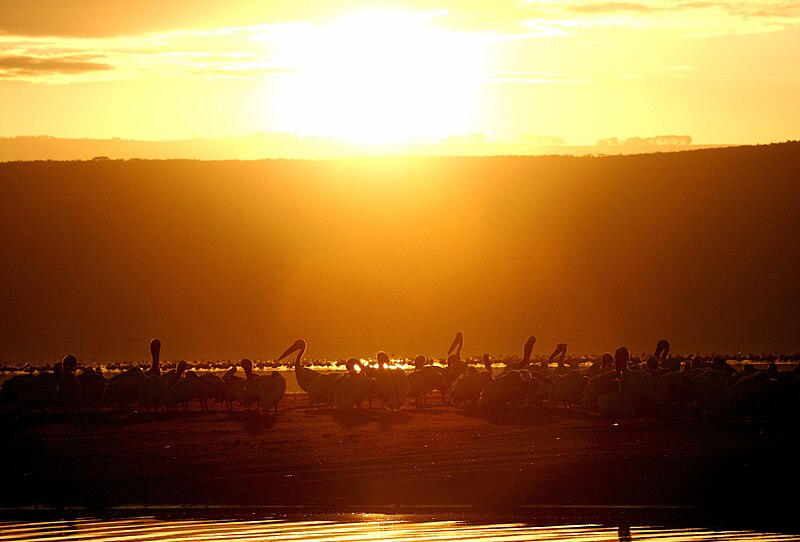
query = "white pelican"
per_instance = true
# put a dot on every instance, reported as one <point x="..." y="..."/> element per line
<point x="304" y="375"/>
<point x="123" y="389"/>
<point x="391" y="383"/>
<point x="468" y="387"/>
<point x="510" y="387"/>
<point x="559" y="353"/>
<point x="354" y="388"/>
<point x="423" y="380"/>
<point x="527" y="350"/>
<point x="235" y="384"/>
<point x="93" y="386"/>
<point x="265" y="390"/>
<point x="602" y="380"/>
<point x="189" y="387"/>
<point x="70" y="393"/>
<point x="155" y="350"/>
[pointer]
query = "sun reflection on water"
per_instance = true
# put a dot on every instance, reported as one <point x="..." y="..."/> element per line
<point x="361" y="527"/>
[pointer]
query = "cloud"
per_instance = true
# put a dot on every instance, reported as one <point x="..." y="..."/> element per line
<point x="219" y="53"/>
<point x="613" y="7"/>
<point x="699" y="18"/>
<point x="28" y="67"/>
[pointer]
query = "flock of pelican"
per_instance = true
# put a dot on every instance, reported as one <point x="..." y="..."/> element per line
<point x="613" y="385"/>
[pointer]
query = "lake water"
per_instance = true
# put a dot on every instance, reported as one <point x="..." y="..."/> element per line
<point x="352" y="527"/>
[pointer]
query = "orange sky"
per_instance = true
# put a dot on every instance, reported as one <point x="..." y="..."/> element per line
<point x="720" y="71"/>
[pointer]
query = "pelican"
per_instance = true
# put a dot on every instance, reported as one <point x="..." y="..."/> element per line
<point x="189" y="387"/>
<point x="455" y="365"/>
<point x="567" y="388"/>
<point x="637" y="384"/>
<point x="215" y="388"/>
<point x="123" y="388"/>
<point x="354" y="388"/>
<point x="559" y="353"/>
<point x="603" y="365"/>
<point x="43" y="392"/>
<point x="235" y="384"/>
<point x="265" y="390"/>
<point x="93" y="385"/>
<point x="155" y="350"/>
<point x="511" y="387"/>
<point x="154" y="388"/>
<point x="304" y="375"/>
<point x="648" y="391"/>
<point x="70" y="393"/>
<point x="600" y="384"/>
<point x="661" y="353"/>
<point x="423" y="380"/>
<point x="152" y="391"/>
<point x="527" y="350"/>
<point x="391" y="383"/>
<point x="468" y="387"/>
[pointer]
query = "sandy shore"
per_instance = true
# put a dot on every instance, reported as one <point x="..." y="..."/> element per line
<point x="437" y="457"/>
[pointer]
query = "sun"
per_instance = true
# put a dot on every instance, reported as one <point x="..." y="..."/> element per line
<point x="378" y="78"/>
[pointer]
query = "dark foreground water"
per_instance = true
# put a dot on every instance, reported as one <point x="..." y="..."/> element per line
<point x="356" y="527"/>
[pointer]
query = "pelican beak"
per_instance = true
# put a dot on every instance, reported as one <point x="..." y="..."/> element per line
<point x="529" y="346"/>
<point x="299" y="344"/>
<point x="561" y="349"/>
<point x="458" y="341"/>
<point x="662" y="348"/>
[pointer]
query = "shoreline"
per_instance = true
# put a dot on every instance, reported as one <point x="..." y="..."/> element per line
<point x="438" y="460"/>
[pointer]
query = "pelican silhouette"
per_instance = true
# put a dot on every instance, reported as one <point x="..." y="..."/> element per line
<point x="354" y="388"/>
<point x="566" y="387"/>
<point x="266" y="391"/>
<point x="455" y="365"/>
<point x="603" y="380"/>
<point x="304" y="375"/>
<point x="70" y="393"/>
<point x="391" y="383"/>
<point x="527" y="350"/>
<point x="468" y="387"/>
<point x="155" y="350"/>
<point x="512" y="387"/>
<point x="423" y="380"/>
<point x="235" y="384"/>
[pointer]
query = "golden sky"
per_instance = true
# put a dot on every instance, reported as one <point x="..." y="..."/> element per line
<point x="581" y="70"/>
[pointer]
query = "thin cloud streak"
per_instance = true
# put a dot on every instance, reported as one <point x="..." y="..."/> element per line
<point x="689" y="19"/>
<point x="22" y="67"/>
<point x="225" y="52"/>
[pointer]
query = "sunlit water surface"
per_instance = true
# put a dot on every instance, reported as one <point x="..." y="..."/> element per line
<point x="368" y="528"/>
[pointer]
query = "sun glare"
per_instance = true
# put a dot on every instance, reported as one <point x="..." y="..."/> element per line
<point x="378" y="78"/>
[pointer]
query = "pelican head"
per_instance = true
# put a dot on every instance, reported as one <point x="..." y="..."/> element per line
<point x="69" y="362"/>
<point x="299" y="344"/>
<point x="662" y="349"/>
<point x="458" y="343"/>
<point x="155" y="348"/>
<point x="529" y="346"/>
